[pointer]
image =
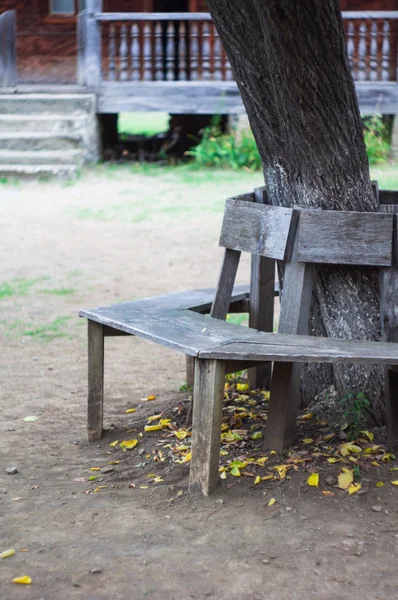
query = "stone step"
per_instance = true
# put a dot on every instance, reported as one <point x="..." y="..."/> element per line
<point x="43" y="123"/>
<point x="37" y="171"/>
<point x="39" y="141"/>
<point x="41" y="157"/>
<point x="47" y="104"/>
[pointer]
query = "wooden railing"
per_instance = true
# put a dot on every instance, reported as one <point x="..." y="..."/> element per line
<point x="8" y="53"/>
<point x="186" y="46"/>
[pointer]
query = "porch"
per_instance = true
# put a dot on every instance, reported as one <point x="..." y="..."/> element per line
<point x="175" y="62"/>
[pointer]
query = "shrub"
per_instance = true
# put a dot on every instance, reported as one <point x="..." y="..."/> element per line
<point x="376" y="139"/>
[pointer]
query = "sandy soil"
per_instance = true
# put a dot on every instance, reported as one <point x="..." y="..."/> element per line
<point x="115" y="236"/>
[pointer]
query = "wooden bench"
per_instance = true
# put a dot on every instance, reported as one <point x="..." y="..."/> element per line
<point x="218" y="347"/>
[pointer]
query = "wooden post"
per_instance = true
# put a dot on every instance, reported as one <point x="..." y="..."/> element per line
<point x="95" y="381"/>
<point x="261" y="306"/>
<point x="91" y="53"/>
<point x="8" y="52"/>
<point x="285" y="387"/>
<point x="206" y="430"/>
<point x="389" y="333"/>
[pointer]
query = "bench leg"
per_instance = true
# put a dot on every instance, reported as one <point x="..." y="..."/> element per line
<point x="95" y="381"/>
<point x="283" y="406"/>
<point x="391" y="394"/>
<point x="206" y="430"/>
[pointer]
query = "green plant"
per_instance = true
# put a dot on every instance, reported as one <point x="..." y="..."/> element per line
<point x="376" y="139"/>
<point x="226" y="150"/>
<point x="356" y="412"/>
<point x="357" y="472"/>
<point x="185" y="387"/>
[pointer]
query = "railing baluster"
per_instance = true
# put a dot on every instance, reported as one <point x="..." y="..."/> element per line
<point x="385" y="51"/>
<point x="135" y="53"/>
<point x="194" y="54"/>
<point x="182" y="71"/>
<point x="205" y="51"/>
<point x="362" y="52"/>
<point x="374" y="51"/>
<point x="147" y="52"/>
<point x="351" y="44"/>
<point x="159" y="54"/>
<point x="123" y="53"/>
<point x="112" y="54"/>
<point x="170" y="52"/>
<point x="217" y="56"/>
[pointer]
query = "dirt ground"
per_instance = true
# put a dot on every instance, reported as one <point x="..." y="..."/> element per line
<point x="111" y="236"/>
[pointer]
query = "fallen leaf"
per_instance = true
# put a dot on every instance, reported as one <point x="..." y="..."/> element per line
<point x="181" y="434"/>
<point x="313" y="480"/>
<point x="387" y="457"/>
<point x="30" y="419"/>
<point x="354" y="487"/>
<point x="257" y="480"/>
<point x="131" y="410"/>
<point x="187" y="457"/>
<point x="345" y="479"/>
<point x="150" y="398"/>
<point x="332" y="460"/>
<point x="154" y="418"/>
<point x="268" y="478"/>
<point x="271" y="502"/>
<point x="114" y="462"/>
<point x="180" y="493"/>
<point x="113" y="444"/>
<point x="7" y="553"/>
<point x="349" y="448"/>
<point x="153" y="427"/>
<point x="129" y="444"/>
<point x="144" y="487"/>
<point x="223" y="475"/>
<point x="327" y="493"/>
<point x="92" y="477"/>
<point x="376" y="464"/>
<point x="379" y="484"/>
<point x="369" y="435"/>
<point x="257" y="435"/>
<point x="261" y="461"/>
<point x="25" y="579"/>
<point x="395" y="482"/>
<point x="242" y="387"/>
<point x="95" y="469"/>
<point x="306" y="416"/>
<point x="80" y="480"/>
<point x="235" y="472"/>
<point x="307" y="441"/>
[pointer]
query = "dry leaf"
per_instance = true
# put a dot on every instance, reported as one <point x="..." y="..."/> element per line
<point x="235" y="472"/>
<point x="154" y="418"/>
<point x="333" y="460"/>
<point x="379" y="484"/>
<point x="354" y="487"/>
<point x="7" y="553"/>
<point x="113" y="444"/>
<point x="30" y="419"/>
<point x="271" y="502"/>
<point x="327" y="493"/>
<point x="306" y="416"/>
<point x="369" y="435"/>
<point x="242" y="387"/>
<point x="26" y="580"/>
<point x="257" y="480"/>
<point x="150" y="398"/>
<point x="345" y="479"/>
<point x="129" y="444"/>
<point x="95" y="469"/>
<point x="223" y="475"/>
<point x="395" y="482"/>
<point x="349" y="448"/>
<point x="114" y="462"/>
<point x="131" y="410"/>
<point x="313" y="480"/>
<point x="261" y="461"/>
<point x="307" y="441"/>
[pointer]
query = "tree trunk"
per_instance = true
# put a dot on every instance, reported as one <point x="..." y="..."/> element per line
<point x="290" y="62"/>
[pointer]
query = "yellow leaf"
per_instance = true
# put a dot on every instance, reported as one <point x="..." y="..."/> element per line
<point x="181" y="434"/>
<point x="306" y="416"/>
<point x="345" y="479"/>
<point x="144" y="487"/>
<point x="131" y="410"/>
<point x="273" y="452"/>
<point x="7" y="553"/>
<point x="158" y="479"/>
<point x="114" y="443"/>
<point x="154" y="418"/>
<point x="187" y="457"/>
<point x="114" y="462"/>
<point x="150" y="398"/>
<point x="153" y="427"/>
<point x="349" y="448"/>
<point x="26" y="580"/>
<point x="257" y="480"/>
<point x="307" y="441"/>
<point x="354" y="487"/>
<point x="369" y="435"/>
<point x="395" y="482"/>
<point x="267" y="478"/>
<point x="379" y="484"/>
<point x="271" y="502"/>
<point x="151" y="475"/>
<point x="387" y="457"/>
<point x="375" y="463"/>
<point x="180" y="493"/>
<point x="95" y="469"/>
<point x="281" y="470"/>
<point x="129" y="444"/>
<point x="332" y="460"/>
<point x="235" y="472"/>
<point x="313" y="480"/>
<point x="327" y="493"/>
<point x="164" y="422"/>
<point x="262" y="460"/>
<point x="242" y="387"/>
<point x="327" y="438"/>
<point x="223" y="475"/>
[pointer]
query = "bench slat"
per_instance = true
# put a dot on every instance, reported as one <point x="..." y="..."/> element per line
<point x="346" y="238"/>
<point x="258" y="228"/>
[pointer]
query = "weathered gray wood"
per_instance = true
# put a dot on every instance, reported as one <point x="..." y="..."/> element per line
<point x="95" y="381"/>
<point x="389" y="333"/>
<point x="206" y="430"/>
<point x="338" y="237"/>
<point x="92" y="49"/>
<point x="8" y="45"/>
<point x="283" y="406"/>
<point x="258" y="228"/>
<point x="189" y="369"/>
<point x="225" y="285"/>
<point x="261" y="312"/>
<point x="285" y="384"/>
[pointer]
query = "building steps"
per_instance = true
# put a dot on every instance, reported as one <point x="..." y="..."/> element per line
<point x="47" y="134"/>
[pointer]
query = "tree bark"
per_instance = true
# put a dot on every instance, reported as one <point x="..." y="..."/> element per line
<point x="290" y="62"/>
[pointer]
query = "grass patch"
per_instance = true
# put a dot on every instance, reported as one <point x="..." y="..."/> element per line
<point x="47" y="333"/>
<point x="143" y="123"/>
<point x="17" y="287"/>
<point x="238" y="319"/>
<point x="60" y="292"/>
